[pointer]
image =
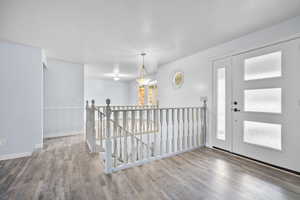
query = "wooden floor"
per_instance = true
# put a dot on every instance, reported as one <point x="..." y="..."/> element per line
<point x="65" y="170"/>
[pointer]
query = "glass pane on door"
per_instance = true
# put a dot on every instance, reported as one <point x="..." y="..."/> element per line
<point x="263" y="134"/>
<point x="263" y="100"/>
<point x="221" y="103"/>
<point x="264" y="66"/>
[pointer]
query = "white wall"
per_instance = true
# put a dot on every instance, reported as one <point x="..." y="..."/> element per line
<point x="100" y="90"/>
<point x="133" y="93"/>
<point x="198" y="67"/>
<point x="21" y="100"/>
<point x="63" y="98"/>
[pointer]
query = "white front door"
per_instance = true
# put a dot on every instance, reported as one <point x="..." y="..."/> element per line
<point x="265" y="105"/>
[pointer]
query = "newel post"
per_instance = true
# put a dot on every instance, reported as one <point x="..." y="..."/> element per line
<point x="93" y="126"/>
<point x="87" y="120"/>
<point x="108" y="142"/>
<point x="204" y="120"/>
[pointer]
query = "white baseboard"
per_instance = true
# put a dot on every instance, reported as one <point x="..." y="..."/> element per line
<point x="15" y="155"/>
<point x="61" y="134"/>
<point x="38" y="146"/>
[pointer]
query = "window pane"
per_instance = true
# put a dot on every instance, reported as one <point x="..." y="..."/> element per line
<point x="265" y="66"/>
<point x="263" y="134"/>
<point x="221" y="104"/>
<point x="263" y="100"/>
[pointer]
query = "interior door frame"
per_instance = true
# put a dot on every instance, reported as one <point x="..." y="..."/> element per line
<point x="227" y="144"/>
<point x="295" y="166"/>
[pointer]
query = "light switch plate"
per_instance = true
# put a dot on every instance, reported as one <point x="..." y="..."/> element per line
<point x="2" y="141"/>
<point x="203" y="98"/>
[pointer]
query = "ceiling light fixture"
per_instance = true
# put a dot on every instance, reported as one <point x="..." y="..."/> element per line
<point x="116" y="77"/>
<point x="141" y="79"/>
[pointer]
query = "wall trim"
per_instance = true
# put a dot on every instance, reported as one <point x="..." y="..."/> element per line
<point x="38" y="146"/>
<point x="64" y="60"/>
<point x="64" y="108"/>
<point x="15" y="155"/>
<point x="61" y="134"/>
<point x="276" y="167"/>
<point x="257" y="47"/>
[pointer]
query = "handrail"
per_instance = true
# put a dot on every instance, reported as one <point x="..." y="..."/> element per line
<point x="116" y="107"/>
<point x="158" y="109"/>
<point x="128" y="106"/>
<point x="130" y="133"/>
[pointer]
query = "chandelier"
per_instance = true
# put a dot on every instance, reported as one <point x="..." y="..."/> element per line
<point x="142" y="81"/>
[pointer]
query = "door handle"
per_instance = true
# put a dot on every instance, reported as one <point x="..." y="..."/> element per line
<point x="236" y="110"/>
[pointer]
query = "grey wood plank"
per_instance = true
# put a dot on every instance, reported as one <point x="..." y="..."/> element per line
<point x="64" y="169"/>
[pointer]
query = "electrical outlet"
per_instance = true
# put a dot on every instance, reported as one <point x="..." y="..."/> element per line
<point x="2" y="141"/>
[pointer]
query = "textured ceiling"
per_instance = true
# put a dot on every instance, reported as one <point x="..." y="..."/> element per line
<point x="103" y="33"/>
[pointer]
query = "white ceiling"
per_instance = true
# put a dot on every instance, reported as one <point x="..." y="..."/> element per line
<point x="103" y="33"/>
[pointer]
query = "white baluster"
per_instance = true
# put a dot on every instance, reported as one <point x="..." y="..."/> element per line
<point x="161" y="131"/>
<point x="132" y="137"/>
<point x="193" y="127"/>
<point x="141" y="134"/>
<point x="178" y="130"/>
<point x="155" y="116"/>
<point x="120" y="136"/>
<point x="188" y="126"/>
<point x="197" y="126"/>
<point x="125" y="135"/>
<point x="108" y="143"/>
<point x="101" y="129"/>
<point x="115" y="135"/>
<point x="167" y="138"/>
<point x="87" y="121"/>
<point x="173" y="131"/>
<point x="204" y="119"/>
<point x="93" y="126"/>
<point x="183" y="129"/>
<point x="148" y="133"/>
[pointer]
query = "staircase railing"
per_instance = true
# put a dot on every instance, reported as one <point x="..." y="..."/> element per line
<point x="95" y="117"/>
<point x="134" y="136"/>
<point x="122" y="131"/>
<point x="126" y="124"/>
